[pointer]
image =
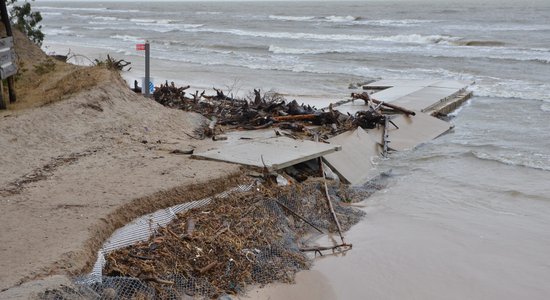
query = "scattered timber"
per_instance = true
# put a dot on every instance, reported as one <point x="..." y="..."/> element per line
<point x="367" y="98"/>
<point x="263" y="111"/>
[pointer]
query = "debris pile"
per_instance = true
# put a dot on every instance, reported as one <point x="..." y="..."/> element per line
<point x="264" y="111"/>
<point x="247" y="238"/>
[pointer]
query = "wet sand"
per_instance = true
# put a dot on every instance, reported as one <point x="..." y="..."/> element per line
<point x="449" y="225"/>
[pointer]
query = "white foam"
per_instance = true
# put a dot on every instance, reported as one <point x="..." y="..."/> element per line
<point x="143" y="20"/>
<point x="208" y="13"/>
<point x="106" y="18"/>
<point x="412" y="38"/>
<point x="396" y="23"/>
<point x="419" y="39"/>
<point x="291" y="18"/>
<point x="47" y="14"/>
<point x="537" y="161"/>
<point x="127" y="38"/>
<point x="89" y="9"/>
<point x="520" y="89"/>
<point x="499" y="27"/>
<point x="340" y="19"/>
<point x="285" y="50"/>
<point x="57" y="31"/>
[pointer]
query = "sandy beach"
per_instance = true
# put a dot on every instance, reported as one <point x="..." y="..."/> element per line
<point x="463" y="216"/>
<point x="75" y="170"/>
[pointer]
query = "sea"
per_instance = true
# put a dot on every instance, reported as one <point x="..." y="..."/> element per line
<point x="465" y="216"/>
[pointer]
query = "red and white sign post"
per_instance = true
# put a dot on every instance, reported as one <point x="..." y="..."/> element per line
<point x="146" y="85"/>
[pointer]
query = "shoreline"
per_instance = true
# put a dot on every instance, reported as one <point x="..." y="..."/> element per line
<point x="326" y="89"/>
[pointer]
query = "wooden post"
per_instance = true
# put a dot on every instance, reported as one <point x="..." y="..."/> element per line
<point x="6" y="20"/>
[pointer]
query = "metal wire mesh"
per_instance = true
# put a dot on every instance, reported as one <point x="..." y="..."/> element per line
<point x="278" y="261"/>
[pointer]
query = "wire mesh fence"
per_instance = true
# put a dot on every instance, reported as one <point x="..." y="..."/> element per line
<point x="245" y="262"/>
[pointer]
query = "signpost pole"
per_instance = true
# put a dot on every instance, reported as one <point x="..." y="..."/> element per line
<point x="147" y="70"/>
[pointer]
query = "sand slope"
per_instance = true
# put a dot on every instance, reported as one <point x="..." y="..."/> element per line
<point x="75" y="170"/>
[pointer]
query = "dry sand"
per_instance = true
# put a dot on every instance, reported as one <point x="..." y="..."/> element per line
<point x="75" y="170"/>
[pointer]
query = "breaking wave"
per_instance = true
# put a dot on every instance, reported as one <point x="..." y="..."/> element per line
<point x="106" y="18"/>
<point x="291" y="18"/>
<point x="340" y="19"/>
<point x="127" y="38"/>
<point x="510" y="89"/>
<point x="514" y="160"/>
<point x="88" y="9"/>
<point x="58" y="31"/>
<point x="143" y="21"/>
<point x="411" y="38"/>
<point x="419" y="39"/>
<point x="480" y="43"/>
<point x="286" y="50"/>
<point x="47" y="14"/>
<point x="352" y="20"/>
<point x="208" y="13"/>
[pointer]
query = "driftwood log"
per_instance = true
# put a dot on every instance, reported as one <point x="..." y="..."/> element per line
<point x="339" y="247"/>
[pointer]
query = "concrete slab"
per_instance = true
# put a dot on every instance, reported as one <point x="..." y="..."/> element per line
<point x="415" y="130"/>
<point x="425" y="97"/>
<point x="277" y="153"/>
<point x="417" y="95"/>
<point x="394" y="93"/>
<point x="356" y="161"/>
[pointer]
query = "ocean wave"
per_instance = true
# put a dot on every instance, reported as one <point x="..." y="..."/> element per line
<point x="89" y="9"/>
<point x="416" y="46"/>
<point x="411" y="38"/>
<point x="511" y="89"/>
<point x="291" y="18"/>
<point x="166" y="21"/>
<point x="352" y="20"/>
<point x="106" y="18"/>
<point x="208" y="13"/>
<point x="162" y="27"/>
<point x="419" y="39"/>
<point x="479" y="43"/>
<point x="526" y="161"/>
<point x="395" y="23"/>
<point x="143" y="20"/>
<point x="127" y="38"/>
<point x="340" y="19"/>
<point x="287" y="35"/>
<point x="47" y="14"/>
<point x="58" y="31"/>
<point x="497" y="27"/>
<point x="545" y="107"/>
<point x="286" y="50"/>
